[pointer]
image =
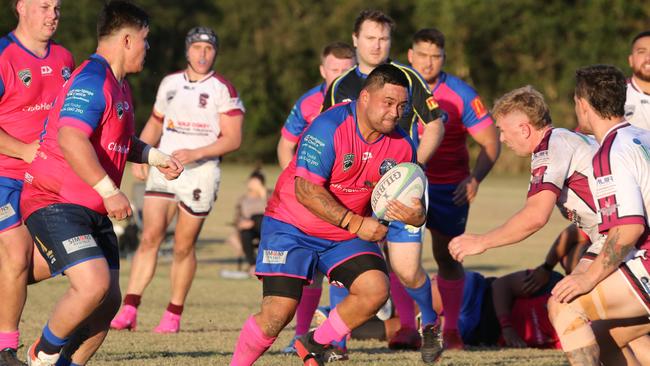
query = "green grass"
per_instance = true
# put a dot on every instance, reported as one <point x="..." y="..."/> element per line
<point x="216" y="307"/>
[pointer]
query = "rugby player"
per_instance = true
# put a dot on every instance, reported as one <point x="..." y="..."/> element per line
<point x="613" y="287"/>
<point x="71" y="187"/>
<point x="32" y="70"/>
<point x="637" y="103"/>
<point x="197" y="118"/>
<point x="372" y="39"/>
<point x="319" y="219"/>
<point x="452" y="186"/>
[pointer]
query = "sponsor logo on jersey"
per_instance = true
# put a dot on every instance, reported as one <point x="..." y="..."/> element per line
<point x="120" y="110"/>
<point x="478" y="107"/>
<point x="605" y="186"/>
<point x="540" y="159"/>
<point x="79" y="243"/>
<point x="348" y="160"/>
<point x="6" y="212"/>
<point x="275" y="256"/>
<point x="203" y="100"/>
<point x="25" y="76"/>
<point x="121" y="149"/>
<point x="170" y="95"/>
<point x="46" y="70"/>
<point x="609" y="209"/>
<point x="386" y="165"/>
<point x="432" y="103"/>
<point x="643" y="148"/>
<point x="66" y="73"/>
<point x="29" y="178"/>
<point x="366" y="156"/>
<point x="37" y="107"/>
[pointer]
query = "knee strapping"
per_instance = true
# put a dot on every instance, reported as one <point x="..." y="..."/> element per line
<point x="573" y="328"/>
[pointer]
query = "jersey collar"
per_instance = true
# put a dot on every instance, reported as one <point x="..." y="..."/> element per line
<point x="15" y="39"/>
<point x="206" y="77"/>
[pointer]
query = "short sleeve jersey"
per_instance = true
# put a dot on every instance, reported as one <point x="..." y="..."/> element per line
<point x="463" y="112"/>
<point x="191" y="111"/>
<point x="333" y="154"/>
<point x="422" y="105"/>
<point x="561" y="163"/>
<point x="303" y="113"/>
<point x="28" y="86"/>
<point x="622" y="179"/>
<point x="96" y="103"/>
<point x="637" y="106"/>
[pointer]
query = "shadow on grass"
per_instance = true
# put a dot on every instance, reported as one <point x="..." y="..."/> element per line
<point x="116" y="357"/>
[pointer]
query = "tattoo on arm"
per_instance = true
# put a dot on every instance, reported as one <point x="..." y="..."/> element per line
<point x="319" y="201"/>
<point x="615" y="252"/>
<point x="585" y="356"/>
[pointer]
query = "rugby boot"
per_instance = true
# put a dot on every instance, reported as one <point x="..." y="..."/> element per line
<point x="452" y="339"/>
<point x="169" y="323"/>
<point x="8" y="358"/>
<point x="431" y="349"/>
<point x="405" y="339"/>
<point x="126" y="318"/>
<point x="310" y="352"/>
<point x="335" y="354"/>
<point x="42" y="359"/>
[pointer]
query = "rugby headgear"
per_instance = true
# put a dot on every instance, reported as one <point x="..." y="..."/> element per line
<point x="201" y="34"/>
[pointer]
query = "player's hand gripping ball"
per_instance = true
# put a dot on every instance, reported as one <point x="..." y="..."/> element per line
<point x="402" y="183"/>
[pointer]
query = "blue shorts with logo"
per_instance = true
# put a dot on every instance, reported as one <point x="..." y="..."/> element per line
<point x="10" y="203"/>
<point x="443" y="215"/>
<point x="399" y="232"/>
<point x="68" y="234"/>
<point x="286" y="251"/>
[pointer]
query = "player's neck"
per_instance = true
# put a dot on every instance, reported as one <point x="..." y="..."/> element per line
<point x="640" y="84"/>
<point x="193" y="76"/>
<point x="39" y="48"/>
<point x="365" y="68"/>
<point x="114" y="60"/>
<point x="603" y="126"/>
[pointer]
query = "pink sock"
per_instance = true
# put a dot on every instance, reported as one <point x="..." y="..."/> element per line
<point x="252" y="343"/>
<point x="451" y="292"/>
<point x="9" y="339"/>
<point x="332" y="330"/>
<point x="403" y="302"/>
<point x="306" y="308"/>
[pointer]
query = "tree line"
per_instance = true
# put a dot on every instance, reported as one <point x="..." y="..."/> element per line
<point x="270" y="50"/>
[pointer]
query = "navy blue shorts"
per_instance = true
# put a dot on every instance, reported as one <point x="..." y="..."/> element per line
<point x="443" y="215"/>
<point x="9" y="203"/>
<point x="67" y="235"/>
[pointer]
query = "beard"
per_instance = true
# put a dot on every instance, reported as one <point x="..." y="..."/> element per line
<point x="640" y="74"/>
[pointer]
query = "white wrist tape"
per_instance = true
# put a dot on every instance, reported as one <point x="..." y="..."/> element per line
<point x="106" y="188"/>
<point x="157" y="158"/>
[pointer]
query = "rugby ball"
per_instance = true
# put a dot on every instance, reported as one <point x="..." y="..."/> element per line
<point x="402" y="182"/>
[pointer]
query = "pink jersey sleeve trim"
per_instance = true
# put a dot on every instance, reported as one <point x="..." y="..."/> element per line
<point x="480" y="126"/>
<point x="234" y="112"/>
<point x="627" y="220"/>
<point x="312" y="177"/>
<point x="73" y="122"/>
<point x="289" y="136"/>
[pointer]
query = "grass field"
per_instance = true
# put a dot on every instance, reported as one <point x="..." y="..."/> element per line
<point x="216" y="307"/>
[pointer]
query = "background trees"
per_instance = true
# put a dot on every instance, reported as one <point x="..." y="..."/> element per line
<point x="270" y="49"/>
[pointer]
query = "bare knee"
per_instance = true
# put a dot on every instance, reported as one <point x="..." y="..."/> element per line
<point x="373" y="292"/>
<point x="408" y="277"/>
<point x="182" y="251"/>
<point x="150" y="240"/>
<point x="276" y="313"/>
<point x="93" y="289"/>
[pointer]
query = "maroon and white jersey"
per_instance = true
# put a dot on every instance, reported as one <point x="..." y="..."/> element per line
<point x="561" y="163"/>
<point x="190" y="111"/>
<point x="637" y="106"/>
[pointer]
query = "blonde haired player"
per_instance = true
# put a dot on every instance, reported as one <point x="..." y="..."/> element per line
<point x="197" y="118"/>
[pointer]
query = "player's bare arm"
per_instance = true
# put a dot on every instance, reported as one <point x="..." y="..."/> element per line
<point x="229" y="141"/>
<point x="621" y="240"/>
<point x="431" y="138"/>
<point x="524" y="223"/>
<point x="143" y="153"/>
<point x="490" y="149"/>
<point x="413" y="215"/>
<point x="285" y="151"/>
<point x="80" y="154"/>
<point x="150" y="134"/>
<point x="321" y="203"/>
<point x="15" y="148"/>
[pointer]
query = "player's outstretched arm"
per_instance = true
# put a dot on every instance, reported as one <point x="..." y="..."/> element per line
<point x="229" y="141"/>
<point x="142" y="153"/>
<point x="80" y="155"/>
<point x="621" y="240"/>
<point x="15" y="148"/>
<point x="286" y="149"/>
<point x="521" y="225"/>
<point x="321" y="203"/>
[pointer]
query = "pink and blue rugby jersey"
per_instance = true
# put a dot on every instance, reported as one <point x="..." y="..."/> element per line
<point x="464" y="113"/>
<point x="303" y="113"/>
<point x="97" y="104"/>
<point x="332" y="154"/>
<point x="28" y="86"/>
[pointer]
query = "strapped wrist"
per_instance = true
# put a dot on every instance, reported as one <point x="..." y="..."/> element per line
<point x="106" y="188"/>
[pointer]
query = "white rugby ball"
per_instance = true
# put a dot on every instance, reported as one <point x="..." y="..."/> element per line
<point x="402" y="182"/>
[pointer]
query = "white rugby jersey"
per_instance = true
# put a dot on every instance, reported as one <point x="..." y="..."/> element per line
<point x="622" y="177"/>
<point x="637" y="106"/>
<point x="561" y="163"/>
<point x="190" y="111"/>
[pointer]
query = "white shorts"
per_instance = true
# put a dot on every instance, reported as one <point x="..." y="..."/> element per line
<point x="195" y="190"/>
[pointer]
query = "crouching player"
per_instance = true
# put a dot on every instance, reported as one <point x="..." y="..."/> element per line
<point x="71" y="188"/>
<point x="319" y="219"/>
